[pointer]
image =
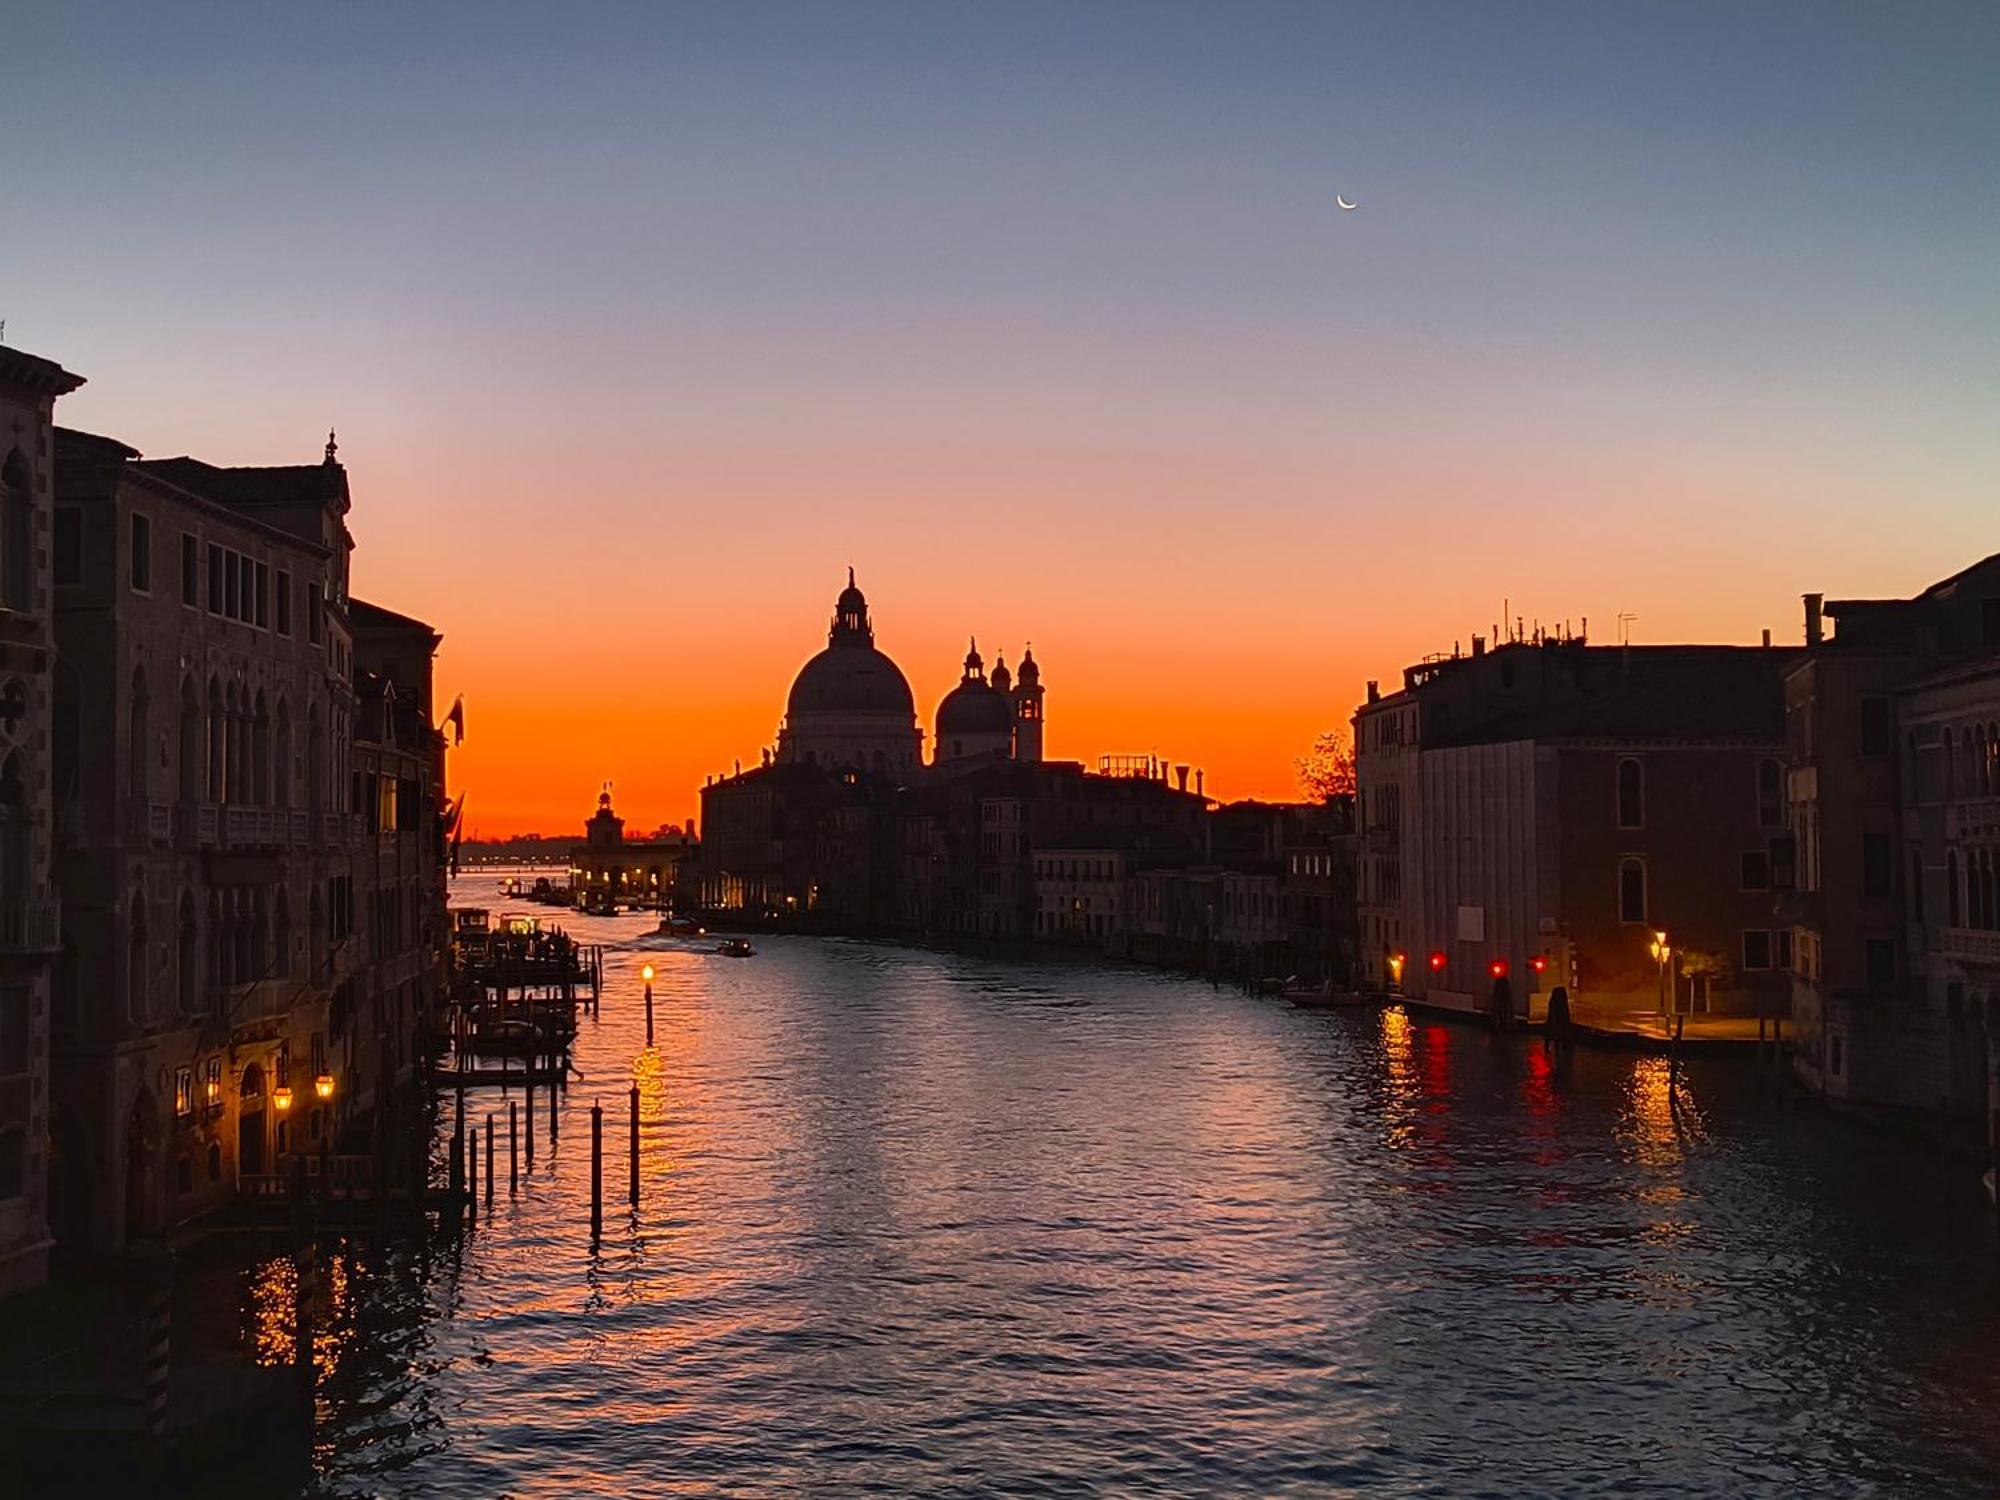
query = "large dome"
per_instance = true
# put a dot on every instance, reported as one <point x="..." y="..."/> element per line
<point x="851" y="678"/>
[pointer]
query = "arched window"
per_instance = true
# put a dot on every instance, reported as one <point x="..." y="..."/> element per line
<point x="217" y="742"/>
<point x="243" y="929"/>
<point x="138" y="1001"/>
<point x="13" y="1162"/>
<point x="1951" y="892"/>
<point x="281" y="934"/>
<point x="281" y="761"/>
<point x="315" y="934"/>
<point x="1632" y="890"/>
<point x="220" y="957"/>
<point x="1631" y="794"/>
<point x="1993" y="760"/>
<point x="13" y="829"/>
<point x="315" y="761"/>
<point x="260" y="753"/>
<point x="187" y="959"/>
<point x="17" y="532"/>
<point x="260" y="939"/>
<point x="192" y="752"/>
<point x="66" y="735"/>
<point x="136" y="771"/>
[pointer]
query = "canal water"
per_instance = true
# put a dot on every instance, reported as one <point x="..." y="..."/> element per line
<point x="913" y="1223"/>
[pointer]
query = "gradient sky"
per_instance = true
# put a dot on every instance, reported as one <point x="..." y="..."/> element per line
<point x="639" y="323"/>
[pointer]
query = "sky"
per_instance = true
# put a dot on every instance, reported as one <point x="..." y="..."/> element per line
<point x="639" y="324"/>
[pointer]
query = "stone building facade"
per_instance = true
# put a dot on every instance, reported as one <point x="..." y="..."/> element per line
<point x="1546" y="810"/>
<point x="1893" y="805"/>
<point x="31" y="736"/>
<point x="209" y="871"/>
<point x="396" y="794"/>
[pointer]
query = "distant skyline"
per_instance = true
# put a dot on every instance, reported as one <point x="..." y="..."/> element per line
<point x="639" y="324"/>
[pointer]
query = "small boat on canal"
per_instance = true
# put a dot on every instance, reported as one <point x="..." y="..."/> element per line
<point x="681" y="927"/>
<point x="736" y="948"/>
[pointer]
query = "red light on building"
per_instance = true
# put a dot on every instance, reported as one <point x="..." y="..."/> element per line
<point x="1437" y="963"/>
<point x="1498" y="968"/>
<point x="1539" y="963"/>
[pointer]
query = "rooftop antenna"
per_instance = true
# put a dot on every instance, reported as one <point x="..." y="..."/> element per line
<point x="1625" y="623"/>
<point x="3" y="330"/>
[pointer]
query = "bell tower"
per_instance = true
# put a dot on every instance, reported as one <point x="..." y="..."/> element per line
<point x="1027" y="696"/>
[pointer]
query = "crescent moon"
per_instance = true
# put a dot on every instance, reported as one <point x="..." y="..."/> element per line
<point x="1344" y="203"/>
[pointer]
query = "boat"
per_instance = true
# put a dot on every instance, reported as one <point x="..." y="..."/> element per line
<point x="736" y="948"/>
<point x="681" y="927"/>
<point x="1318" y="997"/>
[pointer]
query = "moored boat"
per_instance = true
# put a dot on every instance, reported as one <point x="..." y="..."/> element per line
<point x="736" y="948"/>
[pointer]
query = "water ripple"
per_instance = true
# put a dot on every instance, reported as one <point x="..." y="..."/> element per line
<point x="920" y="1223"/>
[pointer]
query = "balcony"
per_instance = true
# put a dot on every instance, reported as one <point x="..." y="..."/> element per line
<point x="31" y="924"/>
<point x="255" y="827"/>
<point x="1966" y="943"/>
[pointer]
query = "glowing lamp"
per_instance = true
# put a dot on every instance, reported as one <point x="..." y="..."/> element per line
<point x="214" y="1091"/>
<point x="323" y="1086"/>
<point x="1437" y="963"/>
<point x="1396" y="962"/>
<point x="1498" y="968"/>
<point x="1539" y="963"/>
<point x="281" y="1096"/>
<point x="646" y="973"/>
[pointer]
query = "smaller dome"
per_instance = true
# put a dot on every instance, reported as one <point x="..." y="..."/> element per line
<point x="1002" y="680"/>
<point x="1030" y="673"/>
<point x="974" y="707"/>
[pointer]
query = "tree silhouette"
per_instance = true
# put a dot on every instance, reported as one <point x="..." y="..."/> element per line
<point x="1326" y="772"/>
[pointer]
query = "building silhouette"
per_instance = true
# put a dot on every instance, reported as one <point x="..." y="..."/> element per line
<point x="1893" y="803"/>
<point x="39" y="744"/>
<point x="1545" y="810"/>
<point x="253" y="859"/>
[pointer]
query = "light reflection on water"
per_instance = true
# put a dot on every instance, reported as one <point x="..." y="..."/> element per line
<point x="919" y="1223"/>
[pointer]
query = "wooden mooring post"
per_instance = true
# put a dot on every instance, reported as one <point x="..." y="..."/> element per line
<point x="596" y="1172"/>
<point x="529" y="1117"/>
<point x="513" y="1143"/>
<point x="472" y="1179"/>
<point x="490" y="1133"/>
<point x="633" y="1193"/>
<point x="159" y="1343"/>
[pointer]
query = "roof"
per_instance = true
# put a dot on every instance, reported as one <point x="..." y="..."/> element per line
<point x="19" y="368"/>
<point x="851" y="677"/>
<point x="250" y="487"/>
<point x="365" y="616"/>
<point x="86" y="460"/>
<point x="1574" y="692"/>
<point x="975" y="707"/>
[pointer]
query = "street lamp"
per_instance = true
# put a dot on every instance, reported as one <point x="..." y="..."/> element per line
<point x="1661" y="953"/>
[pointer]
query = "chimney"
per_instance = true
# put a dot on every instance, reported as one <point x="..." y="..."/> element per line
<point x="1478" y="647"/>
<point x="1374" y="691"/>
<point x="1815" y="626"/>
<point x="1181" y="773"/>
<point x="1197" y="785"/>
<point x="1767" y="638"/>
